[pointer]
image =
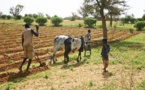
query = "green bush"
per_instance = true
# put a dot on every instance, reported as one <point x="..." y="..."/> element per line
<point x="139" y="25"/>
<point x="9" y="17"/>
<point x="128" y="19"/>
<point x="132" y="20"/>
<point x="56" y="20"/>
<point x="80" y="25"/>
<point x="72" y="18"/>
<point x="4" y="16"/>
<point x="41" y="20"/>
<point x="28" y="20"/>
<point x="139" y="19"/>
<point x="18" y="17"/>
<point x="124" y="20"/>
<point x="90" y="22"/>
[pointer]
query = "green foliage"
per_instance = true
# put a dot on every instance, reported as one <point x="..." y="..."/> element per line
<point x="132" y="20"/>
<point x="41" y="20"/>
<point x="28" y="20"/>
<point x="90" y="22"/>
<point x="3" y="16"/>
<point x="72" y="18"/>
<point x="8" y="86"/>
<point x="9" y="17"/>
<point x="18" y="17"/>
<point x="139" y="25"/>
<point x="122" y="20"/>
<point x="79" y="25"/>
<point x="128" y="19"/>
<point x="139" y="19"/>
<point x="35" y="15"/>
<point x="56" y="20"/>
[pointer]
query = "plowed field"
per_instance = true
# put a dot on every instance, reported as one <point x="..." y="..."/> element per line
<point x="11" y="52"/>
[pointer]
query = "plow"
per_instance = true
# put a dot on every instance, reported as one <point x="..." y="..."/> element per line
<point x="41" y="61"/>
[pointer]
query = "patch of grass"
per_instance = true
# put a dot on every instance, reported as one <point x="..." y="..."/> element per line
<point x="87" y="61"/>
<point x="140" y="86"/>
<point x="90" y="83"/>
<point x="111" y="85"/>
<point x="5" y="54"/>
<point x="140" y="67"/>
<point x="46" y="76"/>
<point x="8" y="86"/>
<point x="49" y="52"/>
<point x="126" y="67"/>
<point x="11" y="61"/>
<point x="33" y="65"/>
<point x="71" y="68"/>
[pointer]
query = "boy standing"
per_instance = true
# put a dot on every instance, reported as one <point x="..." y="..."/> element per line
<point x="104" y="54"/>
<point x="88" y="36"/>
<point x="87" y="42"/>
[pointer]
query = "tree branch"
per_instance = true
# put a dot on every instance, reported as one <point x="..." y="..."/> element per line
<point x="98" y="3"/>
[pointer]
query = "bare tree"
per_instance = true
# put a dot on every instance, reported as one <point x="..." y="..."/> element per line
<point x="15" y="11"/>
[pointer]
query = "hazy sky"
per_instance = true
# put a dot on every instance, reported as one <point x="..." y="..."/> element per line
<point x="62" y="8"/>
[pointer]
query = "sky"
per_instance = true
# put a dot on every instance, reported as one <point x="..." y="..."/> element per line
<point x="62" y="8"/>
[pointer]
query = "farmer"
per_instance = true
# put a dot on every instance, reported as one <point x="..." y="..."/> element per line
<point x="27" y="44"/>
<point x="104" y="54"/>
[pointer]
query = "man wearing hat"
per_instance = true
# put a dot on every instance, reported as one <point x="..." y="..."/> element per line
<point x="27" y="44"/>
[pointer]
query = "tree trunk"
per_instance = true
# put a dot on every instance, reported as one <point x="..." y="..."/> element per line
<point x="111" y="20"/>
<point x="103" y="24"/>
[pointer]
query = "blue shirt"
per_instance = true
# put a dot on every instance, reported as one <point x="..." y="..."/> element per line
<point x="105" y="50"/>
